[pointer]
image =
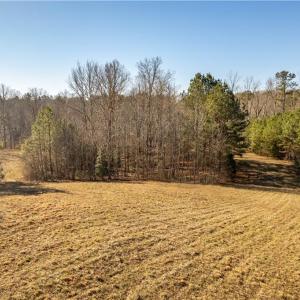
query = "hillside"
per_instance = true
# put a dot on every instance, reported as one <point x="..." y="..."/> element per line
<point x="151" y="240"/>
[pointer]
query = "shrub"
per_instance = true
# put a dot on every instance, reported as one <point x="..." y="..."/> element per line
<point x="101" y="167"/>
<point x="2" y="175"/>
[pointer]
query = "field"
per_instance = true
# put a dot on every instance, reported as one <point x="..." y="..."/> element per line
<point x="149" y="240"/>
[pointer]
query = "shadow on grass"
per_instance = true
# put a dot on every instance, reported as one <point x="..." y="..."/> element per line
<point x="23" y="189"/>
<point x="265" y="176"/>
<point x="110" y="181"/>
<point x="263" y="188"/>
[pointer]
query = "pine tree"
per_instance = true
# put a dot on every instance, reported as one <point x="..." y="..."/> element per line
<point x="101" y="167"/>
<point x="39" y="148"/>
<point x="216" y="125"/>
<point x="285" y="82"/>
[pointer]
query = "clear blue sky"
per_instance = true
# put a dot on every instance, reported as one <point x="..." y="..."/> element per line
<point x="41" y="42"/>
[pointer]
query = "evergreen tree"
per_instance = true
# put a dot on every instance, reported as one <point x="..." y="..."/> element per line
<point x="225" y="112"/>
<point x="277" y="136"/>
<point x="217" y="122"/>
<point x="285" y="83"/>
<point x="39" y="148"/>
<point x="101" y="167"/>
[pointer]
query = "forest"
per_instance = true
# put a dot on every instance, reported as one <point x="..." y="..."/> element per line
<point x="112" y="126"/>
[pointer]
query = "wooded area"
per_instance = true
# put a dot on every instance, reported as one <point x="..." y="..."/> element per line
<point x="112" y="127"/>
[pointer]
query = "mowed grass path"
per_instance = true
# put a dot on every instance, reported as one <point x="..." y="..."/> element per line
<point x="148" y="241"/>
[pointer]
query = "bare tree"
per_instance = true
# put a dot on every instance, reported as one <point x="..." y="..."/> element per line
<point x="146" y="131"/>
<point x="254" y="102"/>
<point x="152" y="83"/>
<point x="4" y="91"/>
<point x="233" y="80"/>
<point x="84" y="83"/>
<point x="271" y="96"/>
<point x="111" y="83"/>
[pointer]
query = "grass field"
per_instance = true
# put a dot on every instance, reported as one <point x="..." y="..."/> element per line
<point x="149" y="240"/>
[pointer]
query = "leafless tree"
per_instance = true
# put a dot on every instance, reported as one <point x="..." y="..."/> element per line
<point x="271" y="97"/>
<point x="233" y="80"/>
<point x="111" y="81"/>
<point x="254" y="102"/>
<point x="142" y="129"/>
<point x="152" y="85"/>
<point x="84" y="83"/>
<point x="4" y="93"/>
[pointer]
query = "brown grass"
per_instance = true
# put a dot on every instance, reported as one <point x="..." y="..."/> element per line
<point x="149" y="241"/>
<point x="12" y="164"/>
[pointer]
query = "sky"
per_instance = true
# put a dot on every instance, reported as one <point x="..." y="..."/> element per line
<point x="40" y="42"/>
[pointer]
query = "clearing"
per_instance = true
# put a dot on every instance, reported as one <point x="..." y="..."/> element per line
<point x="150" y="240"/>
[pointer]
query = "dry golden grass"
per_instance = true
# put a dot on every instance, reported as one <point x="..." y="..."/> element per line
<point x="12" y="164"/>
<point x="148" y="241"/>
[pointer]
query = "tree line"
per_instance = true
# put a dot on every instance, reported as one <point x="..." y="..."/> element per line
<point x="111" y="127"/>
<point x="280" y="94"/>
